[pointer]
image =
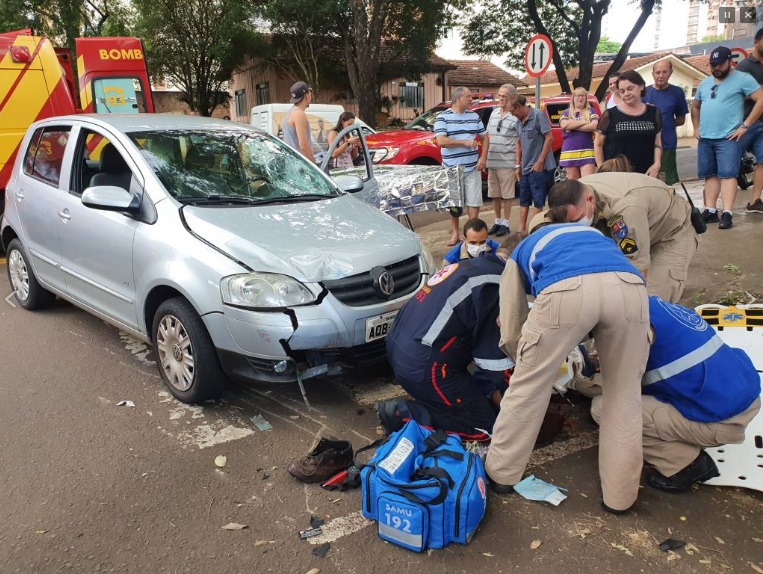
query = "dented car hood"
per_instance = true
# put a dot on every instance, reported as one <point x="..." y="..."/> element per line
<point x="310" y="241"/>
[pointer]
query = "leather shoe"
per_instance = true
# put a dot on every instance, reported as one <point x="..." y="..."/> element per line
<point x="493" y="230"/>
<point x="614" y="510"/>
<point x="701" y="469"/>
<point x="500" y="488"/>
<point x="324" y="461"/>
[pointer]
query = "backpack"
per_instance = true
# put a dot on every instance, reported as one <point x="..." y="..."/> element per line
<point x="423" y="489"/>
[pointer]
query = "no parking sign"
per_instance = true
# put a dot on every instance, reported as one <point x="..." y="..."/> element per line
<point x="737" y="55"/>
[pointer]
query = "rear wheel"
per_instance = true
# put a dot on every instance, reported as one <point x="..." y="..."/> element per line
<point x="26" y="289"/>
<point x="187" y="359"/>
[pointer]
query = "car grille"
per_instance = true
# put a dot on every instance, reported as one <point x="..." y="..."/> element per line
<point x="358" y="290"/>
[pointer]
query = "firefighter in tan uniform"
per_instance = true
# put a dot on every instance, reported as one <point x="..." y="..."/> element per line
<point x="650" y="223"/>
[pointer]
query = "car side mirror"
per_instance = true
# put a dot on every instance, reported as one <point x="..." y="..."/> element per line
<point x="349" y="183"/>
<point x="111" y="198"/>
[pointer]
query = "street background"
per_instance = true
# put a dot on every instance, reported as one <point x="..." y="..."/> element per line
<point x="89" y="486"/>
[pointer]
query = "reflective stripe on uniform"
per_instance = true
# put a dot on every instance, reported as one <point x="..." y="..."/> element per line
<point x="457" y="297"/>
<point x="548" y="238"/>
<point x="684" y="363"/>
<point x="494" y="364"/>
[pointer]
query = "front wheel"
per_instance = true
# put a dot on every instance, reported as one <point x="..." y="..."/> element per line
<point x="26" y="289"/>
<point x="186" y="356"/>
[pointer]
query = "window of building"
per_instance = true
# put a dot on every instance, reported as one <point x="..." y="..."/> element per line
<point x="263" y="93"/>
<point x="241" y="103"/>
<point x="412" y="95"/>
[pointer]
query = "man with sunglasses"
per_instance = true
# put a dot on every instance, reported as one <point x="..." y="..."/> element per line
<point x="719" y="127"/>
<point x="499" y="156"/>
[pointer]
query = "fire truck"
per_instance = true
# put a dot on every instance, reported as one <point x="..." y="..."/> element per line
<point x="37" y="81"/>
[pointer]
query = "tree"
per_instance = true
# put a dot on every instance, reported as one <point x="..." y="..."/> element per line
<point x="712" y="38"/>
<point x="581" y="24"/>
<point x="65" y="20"/>
<point x="196" y="45"/>
<point x="372" y="39"/>
<point x="607" y="46"/>
<point x="305" y="42"/>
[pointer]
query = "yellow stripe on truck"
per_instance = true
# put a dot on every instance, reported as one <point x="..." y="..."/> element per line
<point x="28" y="99"/>
<point x="85" y="93"/>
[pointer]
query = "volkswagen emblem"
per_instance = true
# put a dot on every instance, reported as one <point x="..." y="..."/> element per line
<point x="384" y="283"/>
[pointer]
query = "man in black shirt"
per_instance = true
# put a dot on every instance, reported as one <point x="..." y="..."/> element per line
<point x="753" y="139"/>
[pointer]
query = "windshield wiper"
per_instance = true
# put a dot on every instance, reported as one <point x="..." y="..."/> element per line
<point x="217" y="200"/>
<point x="292" y="198"/>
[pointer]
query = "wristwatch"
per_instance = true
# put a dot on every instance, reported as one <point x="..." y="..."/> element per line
<point x="745" y="126"/>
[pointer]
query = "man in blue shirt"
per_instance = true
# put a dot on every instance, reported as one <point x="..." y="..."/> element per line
<point x="535" y="162"/>
<point x="458" y="131"/>
<point x="475" y="243"/>
<point x="719" y="128"/>
<point x="671" y="101"/>
<point x="698" y="392"/>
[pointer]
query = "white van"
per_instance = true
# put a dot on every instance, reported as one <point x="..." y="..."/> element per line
<point x="322" y="118"/>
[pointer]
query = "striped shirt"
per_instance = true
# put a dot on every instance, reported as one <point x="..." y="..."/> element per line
<point x="503" y="142"/>
<point x="465" y="126"/>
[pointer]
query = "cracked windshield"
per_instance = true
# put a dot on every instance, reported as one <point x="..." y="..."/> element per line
<point x="211" y="166"/>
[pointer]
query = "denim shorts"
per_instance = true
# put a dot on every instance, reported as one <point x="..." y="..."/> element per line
<point x="753" y="141"/>
<point x="533" y="188"/>
<point x="718" y="158"/>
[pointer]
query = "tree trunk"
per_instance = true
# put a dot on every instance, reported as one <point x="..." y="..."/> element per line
<point x="363" y="51"/>
<point x="647" y="6"/>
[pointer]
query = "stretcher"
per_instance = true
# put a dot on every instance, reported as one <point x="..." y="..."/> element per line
<point x="740" y="327"/>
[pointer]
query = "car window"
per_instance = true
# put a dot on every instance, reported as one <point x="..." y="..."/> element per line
<point x="425" y="122"/>
<point x="45" y="154"/>
<point x="98" y="162"/>
<point x="555" y="110"/>
<point x="222" y="163"/>
<point x="484" y="114"/>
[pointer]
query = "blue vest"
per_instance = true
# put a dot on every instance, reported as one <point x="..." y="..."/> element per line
<point x="693" y="370"/>
<point x="564" y="250"/>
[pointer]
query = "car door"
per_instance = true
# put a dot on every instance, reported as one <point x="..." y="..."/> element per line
<point x="364" y="168"/>
<point x="37" y="196"/>
<point x="96" y="245"/>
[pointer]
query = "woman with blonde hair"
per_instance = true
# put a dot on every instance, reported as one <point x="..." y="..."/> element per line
<point x="618" y="163"/>
<point x="578" y="124"/>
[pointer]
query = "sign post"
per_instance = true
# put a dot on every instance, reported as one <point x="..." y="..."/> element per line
<point x="538" y="55"/>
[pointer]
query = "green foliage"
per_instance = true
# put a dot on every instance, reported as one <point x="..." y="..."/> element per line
<point x="196" y="45"/>
<point x="497" y="27"/>
<point x="712" y="38"/>
<point x="607" y="46"/>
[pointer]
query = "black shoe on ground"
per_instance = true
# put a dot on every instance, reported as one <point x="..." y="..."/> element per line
<point x="726" y="222"/>
<point x="388" y="416"/>
<point x="708" y="217"/>
<point x="500" y="488"/>
<point x="614" y="511"/>
<point x="504" y="230"/>
<point x="755" y="207"/>
<point x="324" y="461"/>
<point x="701" y="469"/>
<point x="493" y="230"/>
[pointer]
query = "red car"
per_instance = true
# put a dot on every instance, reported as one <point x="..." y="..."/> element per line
<point x="415" y="143"/>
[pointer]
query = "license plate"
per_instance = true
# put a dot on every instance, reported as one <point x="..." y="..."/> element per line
<point x="378" y="327"/>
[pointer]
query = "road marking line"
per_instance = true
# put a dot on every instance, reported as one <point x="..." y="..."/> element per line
<point x="8" y="299"/>
<point x="342" y="526"/>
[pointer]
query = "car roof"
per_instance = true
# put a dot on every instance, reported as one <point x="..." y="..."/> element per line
<point x="144" y="122"/>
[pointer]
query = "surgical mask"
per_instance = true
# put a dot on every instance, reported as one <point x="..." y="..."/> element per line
<point x="475" y="250"/>
<point x="585" y="220"/>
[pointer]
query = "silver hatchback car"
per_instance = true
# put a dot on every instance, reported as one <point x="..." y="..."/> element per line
<point x="213" y="241"/>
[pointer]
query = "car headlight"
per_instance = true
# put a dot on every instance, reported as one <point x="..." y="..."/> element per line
<point x="429" y="263"/>
<point x="264" y="290"/>
<point x="385" y="153"/>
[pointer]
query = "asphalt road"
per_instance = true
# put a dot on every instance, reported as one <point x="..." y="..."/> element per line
<point x="89" y="486"/>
